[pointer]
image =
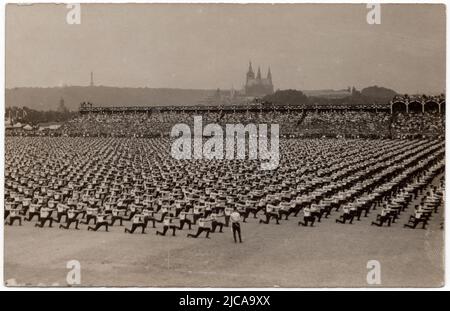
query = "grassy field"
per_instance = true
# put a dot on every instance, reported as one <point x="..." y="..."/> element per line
<point x="285" y="255"/>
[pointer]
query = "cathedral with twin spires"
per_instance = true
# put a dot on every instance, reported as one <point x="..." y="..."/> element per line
<point x="257" y="86"/>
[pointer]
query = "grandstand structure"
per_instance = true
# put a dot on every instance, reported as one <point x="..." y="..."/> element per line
<point x="400" y="103"/>
<point x="417" y="103"/>
<point x="254" y="106"/>
<point x="402" y="117"/>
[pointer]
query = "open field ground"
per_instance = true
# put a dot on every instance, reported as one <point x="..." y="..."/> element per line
<point x="284" y="255"/>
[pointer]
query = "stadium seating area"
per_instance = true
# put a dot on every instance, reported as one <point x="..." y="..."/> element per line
<point x="160" y="124"/>
<point x="417" y="125"/>
<point x="347" y="124"/>
<point x="313" y="124"/>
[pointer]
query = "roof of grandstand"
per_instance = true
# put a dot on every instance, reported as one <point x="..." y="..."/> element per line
<point x="440" y="99"/>
<point x="259" y="105"/>
<point x="250" y="107"/>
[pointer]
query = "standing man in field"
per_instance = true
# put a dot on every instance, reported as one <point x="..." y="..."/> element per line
<point x="235" y="218"/>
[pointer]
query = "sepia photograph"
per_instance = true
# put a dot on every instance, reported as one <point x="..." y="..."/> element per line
<point x="206" y="145"/>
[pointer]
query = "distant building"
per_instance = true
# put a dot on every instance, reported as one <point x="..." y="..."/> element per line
<point x="257" y="86"/>
<point x="92" y="79"/>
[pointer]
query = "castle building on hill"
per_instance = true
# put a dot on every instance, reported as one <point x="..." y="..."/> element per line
<point x="257" y="86"/>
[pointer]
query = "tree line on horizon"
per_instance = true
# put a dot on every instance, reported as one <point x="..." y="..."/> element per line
<point x="369" y="95"/>
<point x="30" y="116"/>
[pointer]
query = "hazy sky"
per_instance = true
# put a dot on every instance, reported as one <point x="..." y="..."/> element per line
<point x="308" y="46"/>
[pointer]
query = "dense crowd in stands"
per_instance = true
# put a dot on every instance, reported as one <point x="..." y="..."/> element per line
<point x="160" y="124"/>
<point x="347" y="124"/>
<point x="428" y="124"/>
<point x="332" y="124"/>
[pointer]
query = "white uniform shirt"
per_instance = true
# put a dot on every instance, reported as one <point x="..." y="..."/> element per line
<point x="235" y="217"/>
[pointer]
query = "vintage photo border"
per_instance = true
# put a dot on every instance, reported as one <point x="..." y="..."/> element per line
<point x="2" y="159"/>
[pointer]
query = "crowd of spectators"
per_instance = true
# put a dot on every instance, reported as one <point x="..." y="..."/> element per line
<point x="297" y="123"/>
<point x="161" y="123"/>
<point x="352" y="124"/>
<point x="418" y="125"/>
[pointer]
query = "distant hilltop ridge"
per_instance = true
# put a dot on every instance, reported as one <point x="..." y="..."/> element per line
<point x="48" y="98"/>
<point x="327" y="93"/>
<point x="371" y="91"/>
